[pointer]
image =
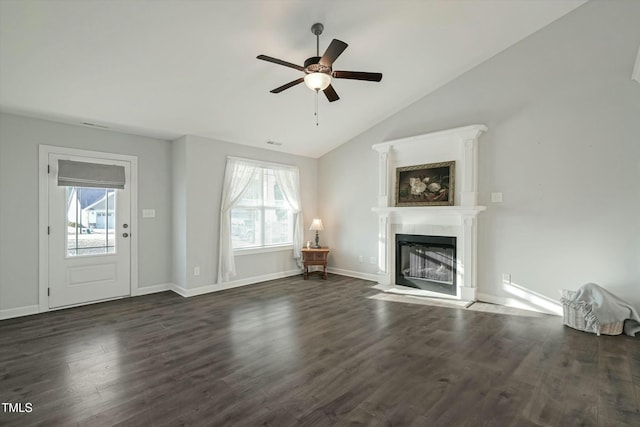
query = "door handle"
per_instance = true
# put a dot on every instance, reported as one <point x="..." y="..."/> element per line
<point x="125" y="234"/>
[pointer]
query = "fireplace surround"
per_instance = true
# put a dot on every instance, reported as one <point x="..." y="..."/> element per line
<point x="458" y="222"/>
<point x="426" y="262"/>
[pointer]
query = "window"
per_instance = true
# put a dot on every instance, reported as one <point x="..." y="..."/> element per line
<point x="262" y="217"/>
<point x="90" y="221"/>
<point x="260" y="208"/>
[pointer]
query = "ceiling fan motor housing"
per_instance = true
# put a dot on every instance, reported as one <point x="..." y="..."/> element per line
<point x="312" y="65"/>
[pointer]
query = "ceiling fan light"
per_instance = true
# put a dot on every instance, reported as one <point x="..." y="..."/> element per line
<point x="317" y="81"/>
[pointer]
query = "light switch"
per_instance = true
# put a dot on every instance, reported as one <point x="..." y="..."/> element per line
<point x="148" y="213"/>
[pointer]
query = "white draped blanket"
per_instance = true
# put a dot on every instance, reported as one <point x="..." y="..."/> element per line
<point x="601" y="307"/>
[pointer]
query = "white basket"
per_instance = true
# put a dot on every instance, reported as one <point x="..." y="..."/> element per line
<point x="578" y="315"/>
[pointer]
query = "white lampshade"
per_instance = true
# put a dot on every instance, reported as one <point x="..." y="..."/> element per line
<point x="316" y="225"/>
<point x="317" y="81"/>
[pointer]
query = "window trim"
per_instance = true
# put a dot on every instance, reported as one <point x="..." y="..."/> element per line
<point x="263" y="164"/>
<point x="263" y="249"/>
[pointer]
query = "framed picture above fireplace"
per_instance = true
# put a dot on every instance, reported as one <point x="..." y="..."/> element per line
<point x="431" y="184"/>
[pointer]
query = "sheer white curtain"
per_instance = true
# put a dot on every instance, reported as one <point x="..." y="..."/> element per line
<point x="237" y="176"/>
<point x="288" y="178"/>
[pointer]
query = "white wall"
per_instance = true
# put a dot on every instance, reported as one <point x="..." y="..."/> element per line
<point x="203" y="171"/>
<point x="563" y="147"/>
<point x="19" y="141"/>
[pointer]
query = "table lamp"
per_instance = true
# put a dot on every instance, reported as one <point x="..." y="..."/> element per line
<point x="316" y="226"/>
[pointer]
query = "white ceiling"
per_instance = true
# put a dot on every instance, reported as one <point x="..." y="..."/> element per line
<point x="172" y="68"/>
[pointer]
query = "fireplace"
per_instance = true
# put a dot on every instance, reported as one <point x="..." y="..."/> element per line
<point x="426" y="262"/>
<point x="446" y="266"/>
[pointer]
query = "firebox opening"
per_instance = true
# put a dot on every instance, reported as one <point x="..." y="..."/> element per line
<point x="426" y="262"/>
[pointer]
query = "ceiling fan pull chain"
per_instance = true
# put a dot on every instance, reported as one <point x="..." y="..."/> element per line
<point x="316" y="114"/>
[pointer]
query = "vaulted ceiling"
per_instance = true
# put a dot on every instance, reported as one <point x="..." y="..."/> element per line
<point x="172" y="68"/>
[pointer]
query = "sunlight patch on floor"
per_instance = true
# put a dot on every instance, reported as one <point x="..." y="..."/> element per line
<point x="501" y="309"/>
<point x="450" y="303"/>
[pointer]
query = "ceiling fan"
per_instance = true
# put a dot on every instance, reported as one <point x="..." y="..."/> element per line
<point x="318" y="70"/>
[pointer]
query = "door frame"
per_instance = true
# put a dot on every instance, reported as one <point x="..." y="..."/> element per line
<point x="43" y="216"/>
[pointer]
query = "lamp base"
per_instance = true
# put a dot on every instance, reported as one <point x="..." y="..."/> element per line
<point x="317" y="246"/>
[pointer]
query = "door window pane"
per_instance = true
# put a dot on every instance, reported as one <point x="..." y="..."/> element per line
<point x="91" y="221"/>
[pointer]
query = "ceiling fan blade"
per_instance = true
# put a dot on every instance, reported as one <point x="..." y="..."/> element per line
<point x="280" y="62"/>
<point x="331" y="94"/>
<point x="357" y="75"/>
<point x="288" y="85"/>
<point x="336" y="47"/>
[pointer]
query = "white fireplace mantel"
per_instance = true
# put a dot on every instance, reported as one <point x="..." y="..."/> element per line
<point x="459" y="220"/>
<point x="414" y="215"/>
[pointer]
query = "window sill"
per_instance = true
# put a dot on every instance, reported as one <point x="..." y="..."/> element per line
<point x="262" y="249"/>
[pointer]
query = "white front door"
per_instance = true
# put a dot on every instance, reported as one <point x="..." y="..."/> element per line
<point x="89" y="238"/>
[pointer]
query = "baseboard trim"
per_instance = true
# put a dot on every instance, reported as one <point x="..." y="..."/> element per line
<point x="154" y="289"/>
<point x="187" y="293"/>
<point x="10" y="313"/>
<point x="179" y="290"/>
<point x="355" y="274"/>
<point x="233" y="284"/>
<point x="555" y="309"/>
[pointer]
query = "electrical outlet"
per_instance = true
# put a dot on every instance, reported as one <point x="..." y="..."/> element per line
<point x="496" y="197"/>
<point x="196" y="271"/>
<point x="506" y="278"/>
<point x="361" y="258"/>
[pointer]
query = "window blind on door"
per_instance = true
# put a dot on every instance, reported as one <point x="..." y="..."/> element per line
<point x="82" y="174"/>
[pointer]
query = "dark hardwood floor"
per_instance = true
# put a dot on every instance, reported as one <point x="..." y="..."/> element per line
<point x="292" y="352"/>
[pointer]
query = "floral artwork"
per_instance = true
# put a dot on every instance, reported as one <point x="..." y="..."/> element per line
<point x="425" y="185"/>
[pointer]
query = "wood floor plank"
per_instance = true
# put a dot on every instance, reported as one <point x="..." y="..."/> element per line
<point x="291" y="352"/>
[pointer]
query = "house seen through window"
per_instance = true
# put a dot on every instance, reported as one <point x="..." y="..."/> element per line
<point x="262" y="217"/>
<point x="91" y="219"/>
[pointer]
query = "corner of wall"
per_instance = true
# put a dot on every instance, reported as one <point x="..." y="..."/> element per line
<point x="636" y="69"/>
<point x="179" y="211"/>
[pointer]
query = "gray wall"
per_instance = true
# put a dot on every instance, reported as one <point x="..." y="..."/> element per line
<point x="19" y="141"/>
<point x="563" y="146"/>
<point x="179" y="209"/>
<point x="203" y="173"/>
<point x="181" y="180"/>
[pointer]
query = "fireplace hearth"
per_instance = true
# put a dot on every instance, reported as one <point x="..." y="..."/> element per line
<point x="426" y="262"/>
